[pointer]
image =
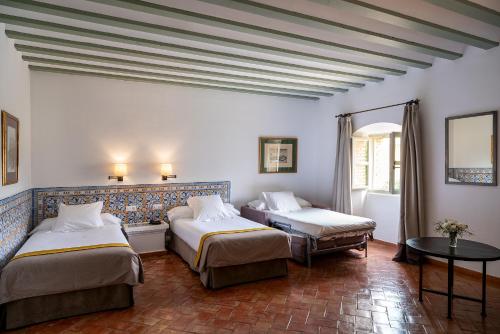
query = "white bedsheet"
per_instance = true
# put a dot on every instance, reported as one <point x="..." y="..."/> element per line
<point x="191" y="231"/>
<point x="48" y="240"/>
<point x="320" y="222"/>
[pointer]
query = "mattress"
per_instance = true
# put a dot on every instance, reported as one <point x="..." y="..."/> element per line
<point x="322" y="223"/>
<point x="230" y="241"/>
<point x="57" y="262"/>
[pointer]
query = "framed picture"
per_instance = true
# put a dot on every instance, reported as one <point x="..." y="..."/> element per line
<point x="10" y="148"/>
<point x="277" y="155"/>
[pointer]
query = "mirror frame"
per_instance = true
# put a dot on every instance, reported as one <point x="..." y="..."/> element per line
<point x="495" y="148"/>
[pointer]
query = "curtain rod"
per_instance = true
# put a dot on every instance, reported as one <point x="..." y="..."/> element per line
<point x="392" y="105"/>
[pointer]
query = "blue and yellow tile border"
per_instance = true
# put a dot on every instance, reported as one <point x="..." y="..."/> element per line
<point x="15" y="223"/>
<point x="21" y="212"/>
<point x="117" y="198"/>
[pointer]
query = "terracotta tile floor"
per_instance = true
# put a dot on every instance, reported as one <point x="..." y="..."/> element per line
<point x="342" y="293"/>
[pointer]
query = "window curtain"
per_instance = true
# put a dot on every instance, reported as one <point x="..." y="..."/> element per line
<point x="412" y="212"/>
<point x="342" y="176"/>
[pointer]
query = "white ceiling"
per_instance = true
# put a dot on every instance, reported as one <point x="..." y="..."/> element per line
<point x="295" y="48"/>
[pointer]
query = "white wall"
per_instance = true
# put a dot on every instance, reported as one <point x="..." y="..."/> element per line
<point x="384" y="210"/>
<point x="81" y="125"/>
<point x="15" y="99"/>
<point x="467" y="85"/>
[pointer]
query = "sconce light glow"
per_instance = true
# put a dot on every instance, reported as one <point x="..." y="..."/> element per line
<point x="120" y="170"/>
<point x="166" y="172"/>
<point x="166" y="169"/>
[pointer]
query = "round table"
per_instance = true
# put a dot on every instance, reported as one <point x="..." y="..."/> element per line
<point x="466" y="250"/>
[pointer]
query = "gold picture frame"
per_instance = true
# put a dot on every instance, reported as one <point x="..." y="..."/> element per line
<point x="278" y="155"/>
<point x="10" y="149"/>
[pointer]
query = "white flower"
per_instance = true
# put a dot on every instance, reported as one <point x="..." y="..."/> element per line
<point x="448" y="226"/>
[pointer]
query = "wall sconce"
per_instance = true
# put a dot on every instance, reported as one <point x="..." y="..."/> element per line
<point x="166" y="172"/>
<point x="120" y="171"/>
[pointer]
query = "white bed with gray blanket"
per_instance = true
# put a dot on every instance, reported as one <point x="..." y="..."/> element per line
<point x="60" y="272"/>
<point x="224" y="248"/>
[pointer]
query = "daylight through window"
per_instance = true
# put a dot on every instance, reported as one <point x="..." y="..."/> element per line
<point x="376" y="160"/>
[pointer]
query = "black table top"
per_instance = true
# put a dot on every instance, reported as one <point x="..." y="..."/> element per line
<point x="466" y="250"/>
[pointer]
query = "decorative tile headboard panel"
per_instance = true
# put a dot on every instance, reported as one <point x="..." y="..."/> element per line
<point x="117" y="198"/>
<point x="15" y="223"/>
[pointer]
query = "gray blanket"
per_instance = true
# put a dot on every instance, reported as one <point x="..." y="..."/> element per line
<point x="242" y="248"/>
<point x="71" y="271"/>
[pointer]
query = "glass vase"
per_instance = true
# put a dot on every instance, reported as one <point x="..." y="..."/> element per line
<point x="453" y="239"/>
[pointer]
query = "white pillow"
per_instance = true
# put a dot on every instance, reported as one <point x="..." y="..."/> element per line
<point x="283" y="201"/>
<point x="109" y="219"/>
<point x="303" y="203"/>
<point x="180" y="212"/>
<point x="48" y="223"/>
<point x="206" y="208"/>
<point x="231" y="210"/>
<point x="264" y="197"/>
<point x="78" y="217"/>
<point x="257" y="204"/>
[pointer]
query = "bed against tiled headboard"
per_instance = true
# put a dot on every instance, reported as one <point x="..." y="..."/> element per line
<point x="117" y="198"/>
<point x="15" y="223"/>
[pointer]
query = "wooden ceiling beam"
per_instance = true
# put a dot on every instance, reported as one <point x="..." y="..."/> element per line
<point x="186" y="35"/>
<point x="274" y="12"/>
<point x="174" y="78"/>
<point x="160" y="81"/>
<point x="470" y="9"/>
<point x="366" y="9"/>
<point x="305" y="72"/>
<point x="189" y="73"/>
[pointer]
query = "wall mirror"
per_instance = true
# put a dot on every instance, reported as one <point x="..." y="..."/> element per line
<point x="471" y="149"/>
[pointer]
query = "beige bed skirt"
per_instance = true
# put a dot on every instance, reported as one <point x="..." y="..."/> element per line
<point x="34" y="310"/>
<point x="219" y="277"/>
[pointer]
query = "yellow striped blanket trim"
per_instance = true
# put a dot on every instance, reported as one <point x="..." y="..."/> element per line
<point x="69" y="249"/>
<point x="209" y="234"/>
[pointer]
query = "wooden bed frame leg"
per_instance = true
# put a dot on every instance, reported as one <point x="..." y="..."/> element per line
<point x="308" y="252"/>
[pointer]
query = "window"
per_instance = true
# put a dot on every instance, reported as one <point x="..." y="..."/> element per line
<point x="360" y="162"/>
<point x="376" y="162"/>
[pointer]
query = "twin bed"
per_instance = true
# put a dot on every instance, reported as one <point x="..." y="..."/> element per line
<point x="315" y="230"/>
<point x="229" y="251"/>
<point x="61" y="273"/>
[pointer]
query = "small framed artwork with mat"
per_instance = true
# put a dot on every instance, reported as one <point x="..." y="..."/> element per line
<point x="278" y="154"/>
<point x="10" y="149"/>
